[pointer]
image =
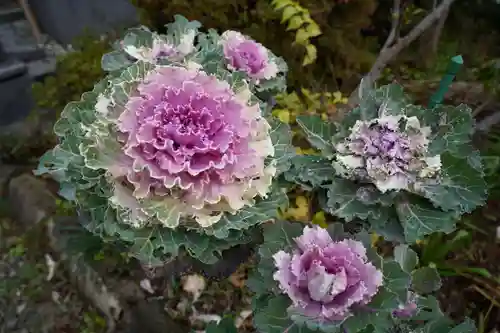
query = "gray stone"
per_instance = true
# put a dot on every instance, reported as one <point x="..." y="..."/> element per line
<point x="6" y="172"/>
<point x="15" y="99"/>
<point x="66" y="19"/>
<point x="30" y="200"/>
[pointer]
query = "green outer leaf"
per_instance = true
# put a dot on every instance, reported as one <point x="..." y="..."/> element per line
<point x="274" y="318"/>
<point x="467" y="326"/>
<point x="348" y="200"/>
<point x="310" y="169"/>
<point x="462" y="187"/>
<point x="426" y="280"/>
<point x="281" y="136"/>
<point x="138" y="37"/>
<point x="279" y="236"/>
<point x="406" y="257"/>
<point x="263" y="211"/>
<point x="154" y="245"/>
<point x="420" y="219"/>
<point x="384" y="300"/>
<point x="396" y="280"/>
<point x="454" y="131"/>
<point x="428" y="309"/>
<point x="318" y="132"/>
<point x="114" y="61"/>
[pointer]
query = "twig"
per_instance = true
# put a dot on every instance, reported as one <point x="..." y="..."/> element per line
<point x="483" y="105"/>
<point x="394" y="24"/>
<point x="388" y="53"/>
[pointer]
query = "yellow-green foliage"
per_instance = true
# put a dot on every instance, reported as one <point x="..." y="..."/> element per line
<point x="76" y="72"/>
<point x="343" y="53"/>
<point x="291" y="105"/>
<point x="299" y="19"/>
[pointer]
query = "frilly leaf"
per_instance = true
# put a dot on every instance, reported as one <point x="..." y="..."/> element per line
<point x="115" y="60"/>
<point x="274" y="318"/>
<point x="264" y="210"/>
<point x="348" y="201"/>
<point x="462" y="187"/>
<point x="155" y="245"/>
<point x="454" y="130"/>
<point x="138" y="37"/>
<point x="310" y="171"/>
<point x="420" y="219"/>
<point x="281" y="137"/>
<point x="181" y="27"/>
<point x="318" y="132"/>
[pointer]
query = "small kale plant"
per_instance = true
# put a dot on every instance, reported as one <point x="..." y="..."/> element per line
<point x="403" y="170"/>
<point x="311" y="279"/>
<point x="176" y="147"/>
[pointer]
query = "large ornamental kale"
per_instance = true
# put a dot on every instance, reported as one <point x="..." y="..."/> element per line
<point x="405" y="170"/>
<point x="175" y="147"/>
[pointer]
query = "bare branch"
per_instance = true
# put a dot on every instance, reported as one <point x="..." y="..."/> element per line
<point x="389" y="53"/>
<point x="394" y="23"/>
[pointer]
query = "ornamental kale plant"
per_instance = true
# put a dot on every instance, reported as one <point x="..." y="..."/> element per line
<point x="404" y="170"/>
<point x="311" y="279"/>
<point x="176" y="147"/>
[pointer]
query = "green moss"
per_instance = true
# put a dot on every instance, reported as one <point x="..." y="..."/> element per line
<point x="76" y="72"/>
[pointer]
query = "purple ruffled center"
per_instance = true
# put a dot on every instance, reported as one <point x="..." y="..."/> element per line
<point x="186" y="129"/>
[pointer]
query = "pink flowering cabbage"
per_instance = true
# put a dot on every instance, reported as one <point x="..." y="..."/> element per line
<point x="246" y="55"/>
<point x="326" y="279"/>
<point x="393" y="159"/>
<point x="188" y="142"/>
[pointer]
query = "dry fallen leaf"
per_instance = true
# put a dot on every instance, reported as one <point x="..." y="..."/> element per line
<point x="194" y="285"/>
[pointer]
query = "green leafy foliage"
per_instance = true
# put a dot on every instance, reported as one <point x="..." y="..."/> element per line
<point x="299" y="19"/>
<point x="431" y="204"/>
<point x="272" y="314"/>
<point x="426" y="280"/>
<point x="310" y="171"/>
<point x="406" y="257"/>
<point x="343" y="51"/>
<point x="318" y="132"/>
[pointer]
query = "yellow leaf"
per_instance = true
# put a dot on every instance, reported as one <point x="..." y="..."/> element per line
<point x="313" y="30"/>
<point x="301" y="212"/>
<point x="278" y="4"/>
<point x="320" y="219"/>
<point x="295" y="23"/>
<point x="301" y="37"/>
<point x="288" y="13"/>
<point x="324" y="116"/>
<point x="311" y="55"/>
<point x="283" y="115"/>
<point x="374" y="238"/>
